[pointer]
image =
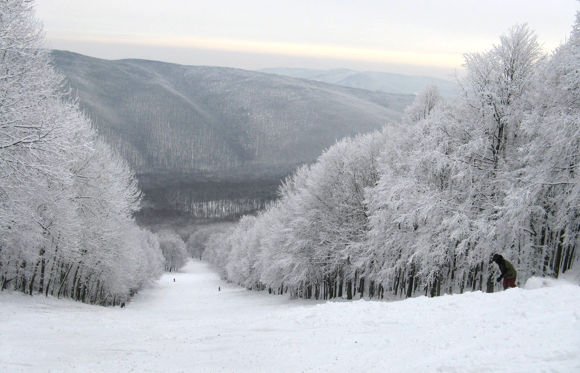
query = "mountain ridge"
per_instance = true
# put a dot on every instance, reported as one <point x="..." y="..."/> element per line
<point x="185" y="125"/>
<point x="370" y="80"/>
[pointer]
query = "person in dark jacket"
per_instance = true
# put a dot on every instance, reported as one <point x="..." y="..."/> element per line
<point x="508" y="272"/>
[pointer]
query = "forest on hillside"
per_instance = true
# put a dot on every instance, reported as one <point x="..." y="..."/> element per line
<point x="495" y="171"/>
<point x="197" y="136"/>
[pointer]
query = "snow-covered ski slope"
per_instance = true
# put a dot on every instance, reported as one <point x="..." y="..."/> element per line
<point x="188" y="326"/>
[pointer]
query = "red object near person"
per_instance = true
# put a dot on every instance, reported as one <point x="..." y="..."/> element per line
<point x="509" y="283"/>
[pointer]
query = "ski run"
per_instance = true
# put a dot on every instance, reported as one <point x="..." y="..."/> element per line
<point x="188" y="325"/>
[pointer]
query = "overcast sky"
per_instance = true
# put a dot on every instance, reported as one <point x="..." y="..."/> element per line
<point x="408" y="36"/>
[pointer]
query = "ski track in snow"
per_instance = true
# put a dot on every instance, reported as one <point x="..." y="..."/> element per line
<point x="188" y="326"/>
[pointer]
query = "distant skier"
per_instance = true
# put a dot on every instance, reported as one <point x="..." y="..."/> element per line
<point x="219" y="288"/>
<point x="508" y="272"/>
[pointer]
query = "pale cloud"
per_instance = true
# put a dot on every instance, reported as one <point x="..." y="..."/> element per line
<point x="419" y="33"/>
<point x="445" y="60"/>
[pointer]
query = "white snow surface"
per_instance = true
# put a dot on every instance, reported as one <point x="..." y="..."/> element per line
<point x="188" y="326"/>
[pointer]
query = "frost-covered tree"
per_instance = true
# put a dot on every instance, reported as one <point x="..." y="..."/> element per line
<point x="423" y="104"/>
<point x="310" y="242"/>
<point x="495" y="84"/>
<point x="173" y="249"/>
<point x="421" y="211"/>
<point x="66" y="200"/>
<point x="197" y="241"/>
<point x="540" y="218"/>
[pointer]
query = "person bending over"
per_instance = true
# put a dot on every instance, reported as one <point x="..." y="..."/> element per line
<point x="508" y="272"/>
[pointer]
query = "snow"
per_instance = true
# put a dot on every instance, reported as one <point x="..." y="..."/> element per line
<point x="188" y="326"/>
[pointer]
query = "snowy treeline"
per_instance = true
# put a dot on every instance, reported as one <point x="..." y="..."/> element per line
<point x="421" y="211"/>
<point x="222" y="208"/>
<point x="197" y="241"/>
<point x="173" y="249"/>
<point x="66" y="200"/>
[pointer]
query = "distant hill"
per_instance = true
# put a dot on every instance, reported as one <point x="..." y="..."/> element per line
<point x="190" y="130"/>
<point x="370" y="80"/>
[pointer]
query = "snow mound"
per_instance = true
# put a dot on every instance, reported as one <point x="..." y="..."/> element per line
<point x="546" y="282"/>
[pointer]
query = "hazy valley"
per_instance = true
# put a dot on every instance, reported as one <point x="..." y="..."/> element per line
<point x="215" y="142"/>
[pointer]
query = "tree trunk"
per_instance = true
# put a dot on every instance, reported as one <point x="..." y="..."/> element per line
<point x="410" y="284"/>
<point x="33" y="278"/>
<point x="349" y="289"/>
<point x="489" y="284"/>
<point x="558" y="256"/>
